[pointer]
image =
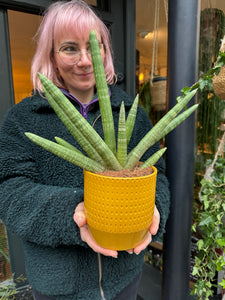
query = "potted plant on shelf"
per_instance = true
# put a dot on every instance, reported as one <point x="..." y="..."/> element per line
<point x="131" y="210"/>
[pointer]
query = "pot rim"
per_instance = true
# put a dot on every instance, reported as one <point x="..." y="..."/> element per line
<point x="123" y="178"/>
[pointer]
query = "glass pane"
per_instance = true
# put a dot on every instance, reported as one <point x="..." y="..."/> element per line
<point x="91" y="2"/>
<point x="151" y="53"/>
<point x="22" y="28"/>
<point x="219" y="4"/>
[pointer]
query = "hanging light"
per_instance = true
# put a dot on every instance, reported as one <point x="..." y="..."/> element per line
<point x="144" y="34"/>
<point x="141" y="76"/>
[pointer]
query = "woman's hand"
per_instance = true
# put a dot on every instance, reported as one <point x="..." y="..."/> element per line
<point x="86" y="236"/>
<point x="148" y="238"/>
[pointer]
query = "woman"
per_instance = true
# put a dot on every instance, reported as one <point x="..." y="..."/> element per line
<point x="42" y="195"/>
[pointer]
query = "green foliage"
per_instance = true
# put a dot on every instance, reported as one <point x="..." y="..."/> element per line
<point x="210" y="223"/>
<point x="212" y="31"/>
<point x="103" y="153"/>
<point x="103" y="94"/>
<point x="8" y="288"/>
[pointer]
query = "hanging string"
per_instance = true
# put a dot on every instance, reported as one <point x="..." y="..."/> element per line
<point x="154" y="41"/>
<point x="157" y="37"/>
<point x="166" y="10"/>
<point x="155" y="49"/>
<point x="210" y="4"/>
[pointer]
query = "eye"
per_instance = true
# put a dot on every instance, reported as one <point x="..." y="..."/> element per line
<point x="88" y="49"/>
<point x="69" y="50"/>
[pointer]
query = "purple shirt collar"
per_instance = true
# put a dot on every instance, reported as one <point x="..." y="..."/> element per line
<point x="84" y="108"/>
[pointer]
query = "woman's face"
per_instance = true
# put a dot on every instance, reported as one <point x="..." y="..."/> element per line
<point x="78" y="77"/>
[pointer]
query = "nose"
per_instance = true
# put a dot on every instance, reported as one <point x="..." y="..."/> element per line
<point x="85" y="58"/>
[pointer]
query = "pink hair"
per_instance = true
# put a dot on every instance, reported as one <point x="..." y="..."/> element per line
<point x="60" y="17"/>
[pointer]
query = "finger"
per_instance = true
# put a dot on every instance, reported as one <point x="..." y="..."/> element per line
<point x="80" y="207"/>
<point x="130" y="251"/>
<point x="88" y="238"/>
<point x="79" y="216"/>
<point x="154" y="226"/>
<point x="147" y="240"/>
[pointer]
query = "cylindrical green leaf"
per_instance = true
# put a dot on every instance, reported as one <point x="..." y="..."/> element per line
<point x="103" y="93"/>
<point x="122" y="137"/>
<point x="178" y="120"/>
<point x="153" y="159"/>
<point x="154" y="134"/>
<point x="76" y="133"/>
<point x="66" y="144"/>
<point x="79" y="121"/>
<point x="131" y="118"/>
<point x="74" y="157"/>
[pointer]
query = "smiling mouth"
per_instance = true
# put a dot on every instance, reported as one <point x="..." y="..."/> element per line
<point x="85" y="74"/>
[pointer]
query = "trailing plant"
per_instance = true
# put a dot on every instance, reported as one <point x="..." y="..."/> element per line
<point x="212" y="30"/>
<point x="210" y="224"/>
<point x="107" y="153"/>
<point x="8" y="289"/>
<point x="209" y="214"/>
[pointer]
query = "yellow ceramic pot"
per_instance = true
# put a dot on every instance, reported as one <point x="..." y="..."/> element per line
<point x="119" y="210"/>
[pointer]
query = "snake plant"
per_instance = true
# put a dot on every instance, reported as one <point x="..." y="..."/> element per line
<point x="107" y="153"/>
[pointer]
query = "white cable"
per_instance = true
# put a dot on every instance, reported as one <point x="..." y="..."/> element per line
<point x="166" y="10"/>
<point x="100" y="276"/>
<point x="157" y="37"/>
<point x="154" y="42"/>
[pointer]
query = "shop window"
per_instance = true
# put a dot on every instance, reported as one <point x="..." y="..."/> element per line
<point x="91" y="2"/>
<point x="151" y="64"/>
<point x="22" y="28"/>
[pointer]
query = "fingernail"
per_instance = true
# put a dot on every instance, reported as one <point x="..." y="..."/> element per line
<point x="130" y="252"/>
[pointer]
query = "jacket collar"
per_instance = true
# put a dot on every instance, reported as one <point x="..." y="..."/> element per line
<point x="117" y="95"/>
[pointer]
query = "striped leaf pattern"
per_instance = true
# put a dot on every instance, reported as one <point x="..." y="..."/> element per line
<point x="153" y="135"/>
<point x="153" y="159"/>
<point x="66" y="144"/>
<point x="122" y="137"/>
<point x="76" y="133"/>
<point x="131" y="118"/>
<point x="103" y="93"/>
<point x="74" y="157"/>
<point x="79" y="121"/>
<point x="101" y="153"/>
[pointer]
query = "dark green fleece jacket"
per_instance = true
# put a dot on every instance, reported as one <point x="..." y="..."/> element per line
<point x="40" y="191"/>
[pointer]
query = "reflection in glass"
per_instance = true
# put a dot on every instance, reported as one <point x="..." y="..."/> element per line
<point x="22" y="28"/>
<point x="91" y="2"/>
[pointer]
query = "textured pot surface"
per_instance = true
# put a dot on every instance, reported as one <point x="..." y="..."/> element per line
<point x="119" y="210"/>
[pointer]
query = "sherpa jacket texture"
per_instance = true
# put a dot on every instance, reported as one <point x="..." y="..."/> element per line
<point x="40" y="191"/>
